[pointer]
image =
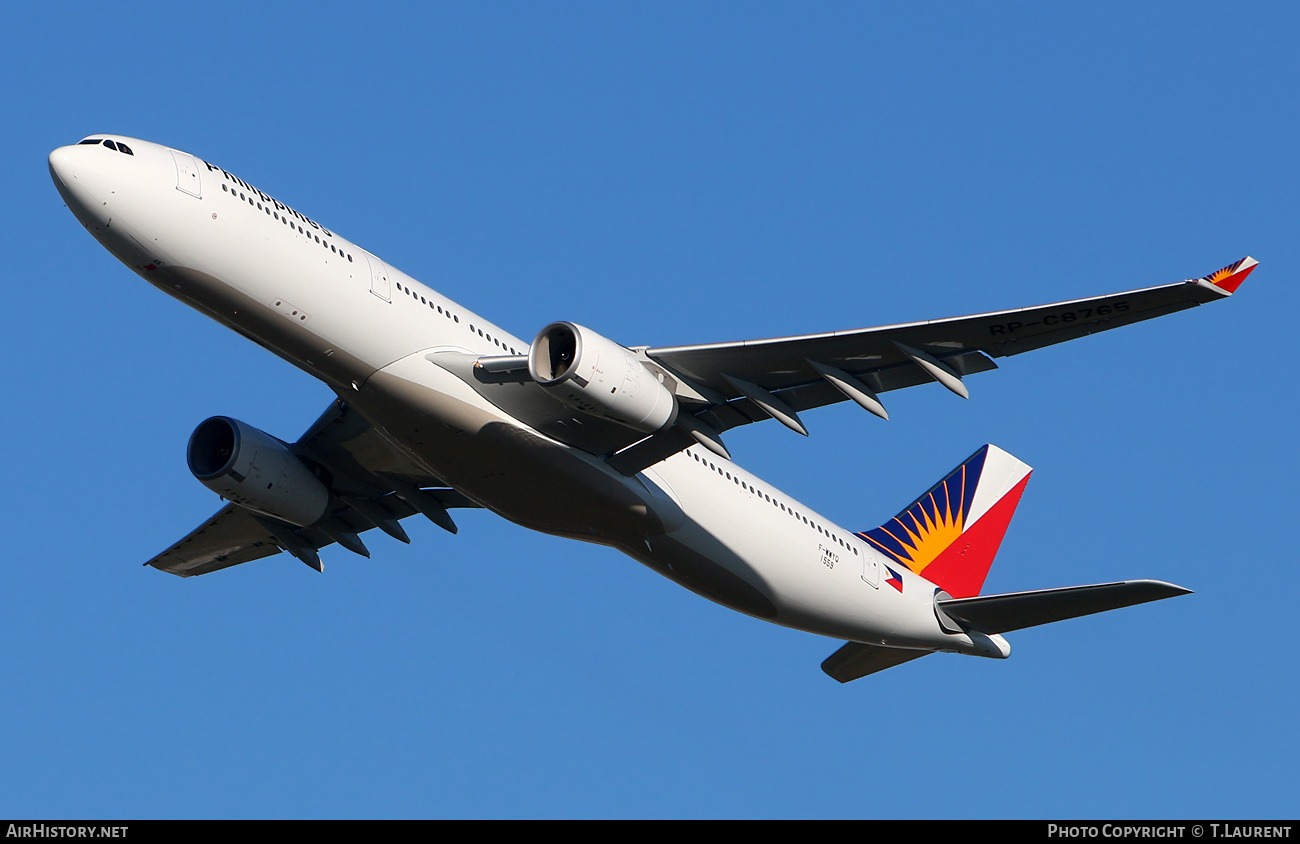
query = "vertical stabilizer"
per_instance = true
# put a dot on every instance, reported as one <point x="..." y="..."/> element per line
<point x="951" y="534"/>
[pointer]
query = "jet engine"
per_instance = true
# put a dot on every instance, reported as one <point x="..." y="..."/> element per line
<point x="598" y="376"/>
<point x="253" y="469"/>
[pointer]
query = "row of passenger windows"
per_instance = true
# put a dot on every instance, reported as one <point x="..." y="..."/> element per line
<point x="311" y="236"/>
<point x="449" y="315"/>
<point x="284" y="218"/>
<point x="770" y="500"/>
<point x="117" y="145"/>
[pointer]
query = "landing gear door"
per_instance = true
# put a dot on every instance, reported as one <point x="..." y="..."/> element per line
<point x="380" y="284"/>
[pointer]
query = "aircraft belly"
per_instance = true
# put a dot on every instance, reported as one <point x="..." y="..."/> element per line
<point x="707" y="570"/>
<point x="508" y="468"/>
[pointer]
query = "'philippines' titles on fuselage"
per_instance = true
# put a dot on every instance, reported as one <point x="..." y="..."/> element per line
<point x="280" y="206"/>
<point x="574" y="434"/>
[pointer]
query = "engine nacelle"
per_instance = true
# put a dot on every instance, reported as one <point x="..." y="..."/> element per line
<point x="600" y="377"/>
<point x="253" y="469"/>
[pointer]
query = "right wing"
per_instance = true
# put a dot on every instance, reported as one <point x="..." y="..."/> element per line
<point x="720" y="386"/>
<point x="802" y="372"/>
<point x="725" y="385"/>
<point x="372" y="485"/>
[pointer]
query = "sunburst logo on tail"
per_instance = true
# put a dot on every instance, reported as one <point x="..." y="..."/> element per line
<point x="934" y="521"/>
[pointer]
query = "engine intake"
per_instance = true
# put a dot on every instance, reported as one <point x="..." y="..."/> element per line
<point x="598" y="376"/>
<point x="253" y="469"/>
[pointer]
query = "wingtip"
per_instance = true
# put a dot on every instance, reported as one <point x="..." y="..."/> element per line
<point x="1230" y="277"/>
<point x="1164" y="589"/>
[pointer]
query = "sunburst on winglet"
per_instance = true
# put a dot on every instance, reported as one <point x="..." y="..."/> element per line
<point x="1230" y="277"/>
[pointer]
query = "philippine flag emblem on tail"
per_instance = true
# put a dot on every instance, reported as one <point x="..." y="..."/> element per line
<point x="895" y="579"/>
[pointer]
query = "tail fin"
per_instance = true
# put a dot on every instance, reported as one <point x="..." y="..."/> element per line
<point x="951" y="533"/>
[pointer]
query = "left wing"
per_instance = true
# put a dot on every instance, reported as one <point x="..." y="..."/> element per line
<point x="740" y="380"/>
<point x="371" y="485"/>
<point x="227" y="539"/>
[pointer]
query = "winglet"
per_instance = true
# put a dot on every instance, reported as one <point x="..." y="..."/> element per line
<point x="1230" y="277"/>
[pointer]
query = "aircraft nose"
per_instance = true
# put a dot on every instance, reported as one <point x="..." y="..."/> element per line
<point x="72" y="173"/>
<point x="84" y="183"/>
<point x="61" y="165"/>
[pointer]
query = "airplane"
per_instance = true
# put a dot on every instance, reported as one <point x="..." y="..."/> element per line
<point x="575" y="434"/>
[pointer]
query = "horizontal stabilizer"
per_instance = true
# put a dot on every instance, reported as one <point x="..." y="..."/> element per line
<point x="856" y="660"/>
<point x="1018" y="610"/>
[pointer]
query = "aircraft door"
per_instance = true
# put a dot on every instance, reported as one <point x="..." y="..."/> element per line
<point x="187" y="174"/>
<point x="380" y="284"/>
<point x="871" y="569"/>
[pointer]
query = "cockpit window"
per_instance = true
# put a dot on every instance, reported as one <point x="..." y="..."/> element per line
<point x="117" y="145"/>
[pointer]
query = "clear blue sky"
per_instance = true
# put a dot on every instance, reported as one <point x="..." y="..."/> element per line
<point x="667" y="173"/>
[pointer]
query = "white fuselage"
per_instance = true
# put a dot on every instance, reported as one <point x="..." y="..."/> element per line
<point x="376" y="337"/>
